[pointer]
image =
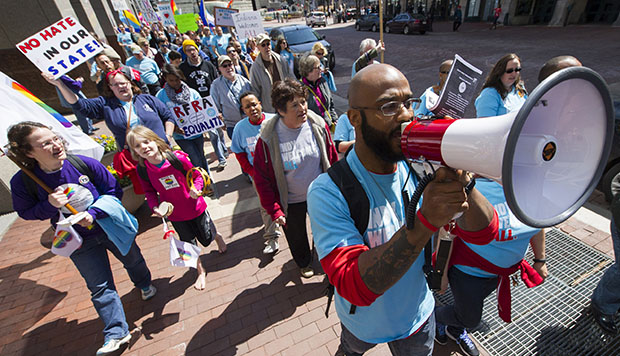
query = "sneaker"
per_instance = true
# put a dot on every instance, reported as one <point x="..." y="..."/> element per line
<point x="306" y="272"/>
<point x="221" y="165"/>
<point x="113" y="345"/>
<point x="440" y="334"/>
<point x="271" y="246"/>
<point x="465" y="343"/>
<point x="149" y="293"/>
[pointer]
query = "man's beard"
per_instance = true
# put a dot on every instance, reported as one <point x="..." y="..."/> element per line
<point x="379" y="142"/>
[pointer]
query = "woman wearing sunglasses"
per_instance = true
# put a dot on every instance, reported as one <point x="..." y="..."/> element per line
<point x="503" y="90"/>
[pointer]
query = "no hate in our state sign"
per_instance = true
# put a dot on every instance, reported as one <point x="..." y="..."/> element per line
<point x="61" y="47"/>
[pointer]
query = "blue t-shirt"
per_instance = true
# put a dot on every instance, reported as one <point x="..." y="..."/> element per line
<point x="344" y="131"/>
<point x="403" y="308"/>
<point x="147" y="67"/>
<point x="161" y="95"/>
<point x="135" y="119"/>
<point x="220" y="43"/>
<point x="206" y="44"/>
<point x="490" y="103"/>
<point x="513" y="238"/>
<point x="245" y="135"/>
<point x="421" y="108"/>
<point x="124" y="38"/>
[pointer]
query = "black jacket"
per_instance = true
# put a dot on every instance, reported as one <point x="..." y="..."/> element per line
<point x="199" y="77"/>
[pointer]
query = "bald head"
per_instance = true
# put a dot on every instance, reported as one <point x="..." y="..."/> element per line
<point x="555" y="64"/>
<point x="371" y="83"/>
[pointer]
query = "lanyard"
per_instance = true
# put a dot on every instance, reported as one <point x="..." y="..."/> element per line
<point x="319" y="100"/>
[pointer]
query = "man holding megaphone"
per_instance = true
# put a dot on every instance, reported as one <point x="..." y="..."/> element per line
<point x="376" y="268"/>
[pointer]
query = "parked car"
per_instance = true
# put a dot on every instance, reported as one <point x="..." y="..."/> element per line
<point x="300" y="40"/>
<point x="316" y="18"/>
<point x="351" y="13"/>
<point x="407" y="23"/>
<point x="368" y="22"/>
<point x="610" y="182"/>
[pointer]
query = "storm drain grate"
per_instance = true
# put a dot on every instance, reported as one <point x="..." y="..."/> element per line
<point x="554" y="318"/>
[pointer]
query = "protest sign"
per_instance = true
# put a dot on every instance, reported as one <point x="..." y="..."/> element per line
<point x="60" y="47"/>
<point x="223" y="16"/>
<point x="17" y="104"/>
<point x="248" y="24"/>
<point x="186" y="22"/>
<point x="167" y="15"/>
<point x="120" y="5"/>
<point x="457" y="92"/>
<point x="197" y="117"/>
<point x="145" y="7"/>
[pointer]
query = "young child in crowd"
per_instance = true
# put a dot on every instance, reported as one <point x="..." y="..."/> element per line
<point x="189" y="215"/>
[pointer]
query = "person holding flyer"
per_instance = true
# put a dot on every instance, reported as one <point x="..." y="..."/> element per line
<point x="82" y="185"/>
<point x="166" y="183"/>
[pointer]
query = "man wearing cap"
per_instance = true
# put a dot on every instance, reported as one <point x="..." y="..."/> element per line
<point x="268" y="68"/>
<point x="147" y="67"/>
<point x="199" y="75"/>
<point x="226" y="91"/>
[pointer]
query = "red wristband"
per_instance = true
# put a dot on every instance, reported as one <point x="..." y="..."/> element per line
<point x="425" y="222"/>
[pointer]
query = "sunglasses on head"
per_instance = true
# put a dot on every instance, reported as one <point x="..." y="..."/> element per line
<point x="508" y="71"/>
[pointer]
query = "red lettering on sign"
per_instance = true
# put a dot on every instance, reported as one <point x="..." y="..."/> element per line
<point x="70" y="21"/>
<point x="54" y="30"/>
<point x="177" y="111"/>
<point x="45" y="35"/>
<point x="196" y="105"/>
<point x="29" y="45"/>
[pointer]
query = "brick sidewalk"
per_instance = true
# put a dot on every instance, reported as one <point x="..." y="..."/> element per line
<point x="253" y="305"/>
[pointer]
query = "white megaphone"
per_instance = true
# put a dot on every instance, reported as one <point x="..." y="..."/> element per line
<point x="549" y="156"/>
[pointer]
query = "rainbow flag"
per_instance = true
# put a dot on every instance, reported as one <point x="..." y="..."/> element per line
<point x="229" y="4"/>
<point x="22" y="90"/>
<point x="174" y="7"/>
<point x="131" y="18"/>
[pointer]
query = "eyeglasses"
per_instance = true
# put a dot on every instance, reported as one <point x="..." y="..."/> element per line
<point x="54" y="141"/>
<point x="508" y="71"/>
<point x="231" y="52"/>
<point x="444" y="72"/>
<point x="226" y="65"/>
<point x="119" y="84"/>
<point x="264" y="44"/>
<point x="393" y="107"/>
<point x="320" y="53"/>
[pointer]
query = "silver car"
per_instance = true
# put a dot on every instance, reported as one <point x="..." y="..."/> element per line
<point x="316" y="18"/>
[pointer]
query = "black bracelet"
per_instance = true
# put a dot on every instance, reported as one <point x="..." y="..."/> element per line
<point x="470" y="186"/>
<point x="540" y="260"/>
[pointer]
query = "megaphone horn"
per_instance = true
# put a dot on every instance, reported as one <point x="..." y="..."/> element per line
<point x="549" y="156"/>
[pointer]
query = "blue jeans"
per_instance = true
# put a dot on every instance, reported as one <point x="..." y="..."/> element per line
<point x="606" y="296"/>
<point x="419" y="344"/>
<point x="469" y="293"/>
<point x="195" y="149"/>
<point x="229" y="131"/>
<point x="219" y="144"/>
<point x="92" y="262"/>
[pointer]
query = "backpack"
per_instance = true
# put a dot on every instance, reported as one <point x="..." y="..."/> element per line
<point x="170" y="157"/>
<point x="75" y="161"/>
<point x="359" y="207"/>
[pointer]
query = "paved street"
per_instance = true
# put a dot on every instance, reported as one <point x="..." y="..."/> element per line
<point x="256" y="304"/>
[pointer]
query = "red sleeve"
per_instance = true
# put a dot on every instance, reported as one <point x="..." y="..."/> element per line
<point x="332" y="152"/>
<point x="341" y="267"/>
<point x="481" y="237"/>
<point x="265" y="180"/>
<point x="245" y="164"/>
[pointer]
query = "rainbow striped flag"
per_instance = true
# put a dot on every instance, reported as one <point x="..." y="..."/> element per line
<point x="229" y="4"/>
<point x="174" y="7"/>
<point x="131" y="18"/>
<point x="22" y="90"/>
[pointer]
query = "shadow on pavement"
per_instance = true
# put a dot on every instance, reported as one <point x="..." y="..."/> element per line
<point x="252" y="311"/>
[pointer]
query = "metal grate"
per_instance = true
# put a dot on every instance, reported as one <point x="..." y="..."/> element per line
<point x="554" y="318"/>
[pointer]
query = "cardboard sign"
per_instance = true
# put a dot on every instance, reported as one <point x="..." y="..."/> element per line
<point x="186" y="22"/>
<point x="120" y="5"/>
<point x="167" y="15"/>
<point x="197" y="117"/>
<point x="223" y="16"/>
<point x="60" y="47"/>
<point x="147" y="11"/>
<point x="248" y="24"/>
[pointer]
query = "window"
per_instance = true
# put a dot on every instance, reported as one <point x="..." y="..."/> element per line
<point x="300" y="36"/>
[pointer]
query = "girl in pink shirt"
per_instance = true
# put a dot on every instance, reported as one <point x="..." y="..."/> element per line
<point x="189" y="217"/>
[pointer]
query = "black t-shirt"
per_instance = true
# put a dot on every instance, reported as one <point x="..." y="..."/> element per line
<point x="199" y="77"/>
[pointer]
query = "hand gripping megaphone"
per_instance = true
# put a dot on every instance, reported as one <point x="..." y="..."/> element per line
<point x="549" y="156"/>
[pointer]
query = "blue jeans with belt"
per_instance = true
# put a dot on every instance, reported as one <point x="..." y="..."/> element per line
<point x="606" y="296"/>
<point x="93" y="263"/>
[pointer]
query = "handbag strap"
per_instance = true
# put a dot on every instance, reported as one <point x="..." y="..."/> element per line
<point x="319" y="100"/>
